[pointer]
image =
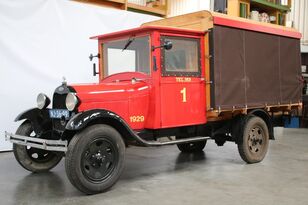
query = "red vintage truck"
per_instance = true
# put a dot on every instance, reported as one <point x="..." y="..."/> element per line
<point x="191" y="78"/>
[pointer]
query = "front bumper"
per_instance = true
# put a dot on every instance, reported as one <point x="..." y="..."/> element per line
<point x="50" y="145"/>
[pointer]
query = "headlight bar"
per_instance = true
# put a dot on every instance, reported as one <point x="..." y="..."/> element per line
<point x="51" y="145"/>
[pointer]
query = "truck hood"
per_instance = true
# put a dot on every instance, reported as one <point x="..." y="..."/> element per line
<point x="112" y="89"/>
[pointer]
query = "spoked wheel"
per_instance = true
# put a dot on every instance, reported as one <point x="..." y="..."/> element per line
<point x="254" y="143"/>
<point x="33" y="159"/>
<point x="95" y="159"/>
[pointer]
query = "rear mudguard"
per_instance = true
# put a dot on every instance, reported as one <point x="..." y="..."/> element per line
<point x="39" y="119"/>
<point x="238" y="124"/>
<point x="267" y="119"/>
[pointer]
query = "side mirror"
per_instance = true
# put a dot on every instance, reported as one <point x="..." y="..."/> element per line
<point x="167" y="45"/>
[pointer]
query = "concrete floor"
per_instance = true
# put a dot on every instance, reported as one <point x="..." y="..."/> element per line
<point x="165" y="176"/>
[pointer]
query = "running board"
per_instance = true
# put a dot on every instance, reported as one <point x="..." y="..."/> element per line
<point x="172" y="142"/>
<point x="61" y="145"/>
<point x="50" y="145"/>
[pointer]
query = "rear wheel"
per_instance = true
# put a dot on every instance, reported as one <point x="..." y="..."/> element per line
<point x="33" y="159"/>
<point x="192" y="147"/>
<point x="95" y="159"/>
<point x="253" y="144"/>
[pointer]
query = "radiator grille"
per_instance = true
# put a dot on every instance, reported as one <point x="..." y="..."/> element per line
<point x="58" y="102"/>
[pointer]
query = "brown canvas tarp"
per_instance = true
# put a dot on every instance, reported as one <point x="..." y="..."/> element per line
<point x="253" y="69"/>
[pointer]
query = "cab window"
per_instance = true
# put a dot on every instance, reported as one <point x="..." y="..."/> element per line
<point x="129" y="54"/>
<point x="183" y="59"/>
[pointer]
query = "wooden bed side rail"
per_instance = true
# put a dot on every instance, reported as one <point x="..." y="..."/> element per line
<point x="217" y="115"/>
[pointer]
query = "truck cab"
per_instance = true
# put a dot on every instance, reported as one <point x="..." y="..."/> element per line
<point x="161" y="87"/>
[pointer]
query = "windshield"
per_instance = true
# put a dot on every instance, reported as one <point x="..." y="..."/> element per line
<point x="128" y="54"/>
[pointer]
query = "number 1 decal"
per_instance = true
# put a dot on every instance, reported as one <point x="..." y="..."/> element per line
<point x="183" y="92"/>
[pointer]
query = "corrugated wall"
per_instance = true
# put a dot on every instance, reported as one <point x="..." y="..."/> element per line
<point x="299" y="16"/>
<point x="178" y="7"/>
<point x="138" y="2"/>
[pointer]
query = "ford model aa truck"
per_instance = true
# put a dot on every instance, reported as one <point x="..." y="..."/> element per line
<point x="190" y="78"/>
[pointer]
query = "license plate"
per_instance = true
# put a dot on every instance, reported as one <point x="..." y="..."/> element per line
<point x="59" y="113"/>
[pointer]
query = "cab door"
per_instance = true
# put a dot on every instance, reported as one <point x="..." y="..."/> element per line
<point x="182" y="85"/>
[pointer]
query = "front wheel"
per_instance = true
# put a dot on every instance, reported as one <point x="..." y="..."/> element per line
<point x="33" y="159"/>
<point x="95" y="159"/>
<point x="253" y="144"/>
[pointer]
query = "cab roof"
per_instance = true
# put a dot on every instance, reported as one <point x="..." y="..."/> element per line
<point x="148" y="29"/>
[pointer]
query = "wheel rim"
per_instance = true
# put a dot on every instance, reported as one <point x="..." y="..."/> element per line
<point x="191" y="145"/>
<point x="38" y="155"/>
<point x="99" y="160"/>
<point x="256" y="140"/>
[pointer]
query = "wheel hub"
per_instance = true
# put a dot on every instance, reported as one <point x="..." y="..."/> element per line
<point x="99" y="160"/>
<point x="255" y="140"/>
<point x="96" y="160"/>
<point x="100" y="157"/>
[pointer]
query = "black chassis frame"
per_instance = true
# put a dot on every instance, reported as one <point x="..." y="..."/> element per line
<point x="221" y="131"/>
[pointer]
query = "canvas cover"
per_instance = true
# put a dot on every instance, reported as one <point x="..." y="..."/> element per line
<point x="253" y="69"/>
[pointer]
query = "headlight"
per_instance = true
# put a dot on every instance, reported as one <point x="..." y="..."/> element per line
<point x="71" y="101"/>
<point x="42" y="101"/>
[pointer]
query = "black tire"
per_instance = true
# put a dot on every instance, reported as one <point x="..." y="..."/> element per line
<point x="253" y="144"/>
<point x="192" y="147"/>
<point x="33" y="159"/>
<point x="95" y="159"/>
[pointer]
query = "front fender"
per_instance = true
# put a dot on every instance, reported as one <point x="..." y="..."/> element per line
<point x="31" y="114"/>
<point x="101" y="116"/>
<point x="81" y="120"/>
<point x="39" y="119"/>
<point x="96" y="116"/>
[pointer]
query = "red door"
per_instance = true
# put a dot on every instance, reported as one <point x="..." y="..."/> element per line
<point x="182" y="85"/>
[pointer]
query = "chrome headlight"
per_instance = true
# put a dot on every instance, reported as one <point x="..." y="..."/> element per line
<point x="42" y="101"/>
<point x="71" y="101"/>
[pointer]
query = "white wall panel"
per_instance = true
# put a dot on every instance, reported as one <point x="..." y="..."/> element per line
<point x="299" y="17"/>
<point x="178" y="7"/>
<point x="43" y="40"/>
<point x="138" y="2"/>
